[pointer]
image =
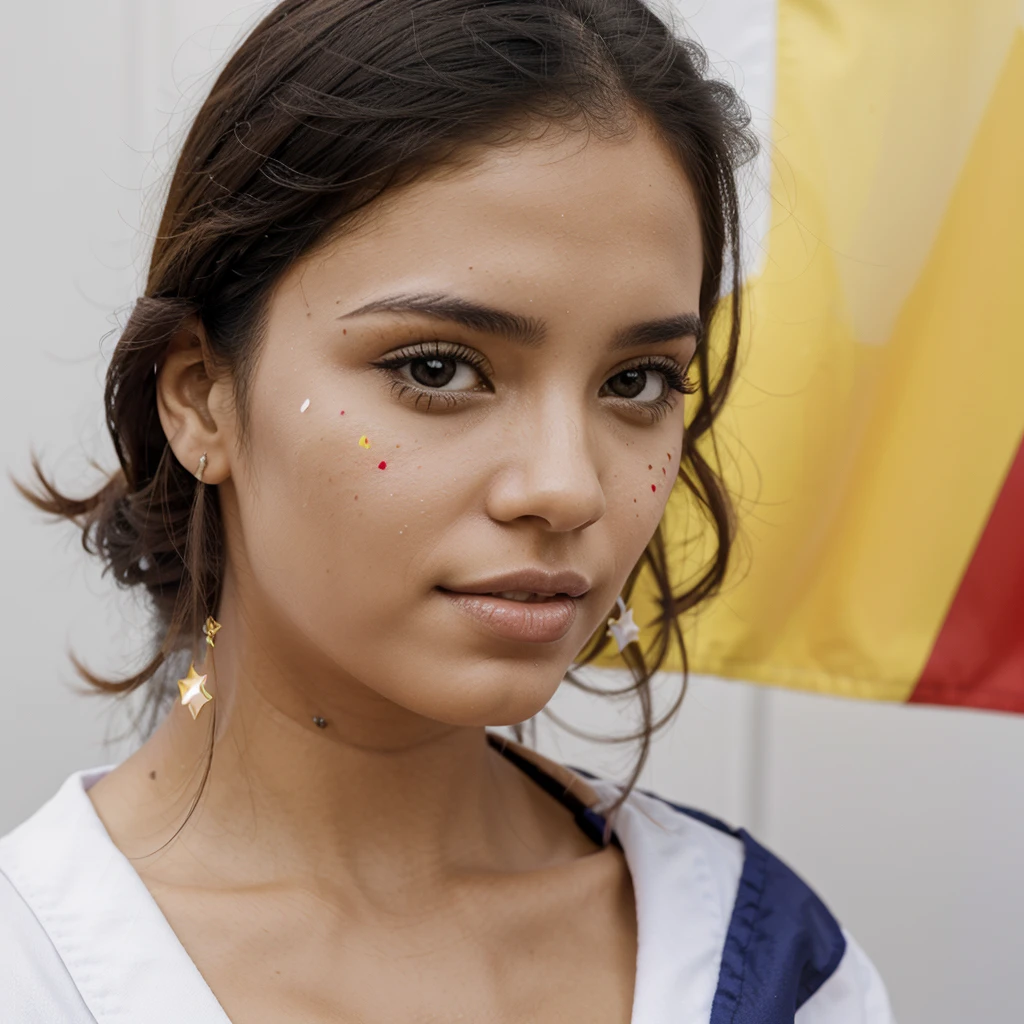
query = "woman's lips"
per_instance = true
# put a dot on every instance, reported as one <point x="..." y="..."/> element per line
<point x="539" y="621"/>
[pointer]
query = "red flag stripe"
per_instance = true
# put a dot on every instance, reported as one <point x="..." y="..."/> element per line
<point x="978" y="657"/>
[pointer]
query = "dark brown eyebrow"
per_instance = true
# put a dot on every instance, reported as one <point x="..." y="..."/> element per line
<point x="524" y="330"/>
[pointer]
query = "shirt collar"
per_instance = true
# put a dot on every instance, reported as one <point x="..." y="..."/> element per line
<point x="129" y="965"/>
<point x="112" y="936"/>
<point x="685" y="876"/>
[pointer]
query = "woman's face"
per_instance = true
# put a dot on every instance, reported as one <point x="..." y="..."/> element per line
<point x="474" y="393"/>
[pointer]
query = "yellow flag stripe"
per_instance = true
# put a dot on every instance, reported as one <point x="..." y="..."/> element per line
<point x="867" y="447"/>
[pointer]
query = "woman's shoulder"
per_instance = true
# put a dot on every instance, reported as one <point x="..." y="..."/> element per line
<point x="81" y="938"/>
<point x="36" y="985"/>
<point x="727" y="931"/>
<point x="781" y="950"/>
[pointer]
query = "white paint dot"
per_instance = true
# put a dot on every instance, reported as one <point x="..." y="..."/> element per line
<point x="304" y="406"/>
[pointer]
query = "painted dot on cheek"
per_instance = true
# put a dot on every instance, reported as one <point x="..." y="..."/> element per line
<point x="653" y="488"/>
<point x="364" y="442"/>
<point x="342" y="413"/>
<point x="304" y="406"/>
<point x="382" y="465"/>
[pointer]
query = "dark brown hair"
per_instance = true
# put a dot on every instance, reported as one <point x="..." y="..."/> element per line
<point x="325" y="105"/>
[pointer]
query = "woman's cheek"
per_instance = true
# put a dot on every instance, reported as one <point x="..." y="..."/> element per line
<point x="650" y="484"/>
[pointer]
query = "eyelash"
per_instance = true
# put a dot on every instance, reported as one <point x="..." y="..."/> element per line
<point x="675" y="379"/>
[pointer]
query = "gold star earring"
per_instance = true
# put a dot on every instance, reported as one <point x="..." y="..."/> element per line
<point x="194" y="694"/>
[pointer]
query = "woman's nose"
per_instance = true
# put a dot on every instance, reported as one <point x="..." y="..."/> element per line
<point x="548" y="471"/>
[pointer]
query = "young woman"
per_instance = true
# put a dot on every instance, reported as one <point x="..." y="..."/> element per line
<point x="431" y="283"/>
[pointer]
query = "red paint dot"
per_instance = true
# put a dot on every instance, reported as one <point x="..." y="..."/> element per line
<point x="663" y="471"/>
<point x="668" y="455"/>
<point x="382" y="465"/>
<point x="342" y="412"/>
<point x="653" y="488"/>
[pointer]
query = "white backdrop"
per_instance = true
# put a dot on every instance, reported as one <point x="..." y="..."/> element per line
<point x="907" y="820"/>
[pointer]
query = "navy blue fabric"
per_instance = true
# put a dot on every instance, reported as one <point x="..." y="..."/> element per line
<point x="782" y="944"/>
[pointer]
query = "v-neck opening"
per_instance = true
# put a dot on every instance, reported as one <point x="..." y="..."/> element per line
<point x="128" y="963"/>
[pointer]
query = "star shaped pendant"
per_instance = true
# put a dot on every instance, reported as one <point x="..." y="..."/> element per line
<point x="624" y="629"/>
<point x="194" y="694"/>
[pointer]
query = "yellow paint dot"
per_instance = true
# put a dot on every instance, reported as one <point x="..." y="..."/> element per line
<point x="364" y="442"/>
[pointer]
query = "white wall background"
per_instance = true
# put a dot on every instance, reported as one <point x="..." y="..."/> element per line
<point x="908" y="820"/>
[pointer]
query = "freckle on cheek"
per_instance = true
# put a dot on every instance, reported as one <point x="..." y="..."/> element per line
<point x="650" y="467"/>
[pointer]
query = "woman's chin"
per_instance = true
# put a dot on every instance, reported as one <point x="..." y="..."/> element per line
<point x="484" y="698"/>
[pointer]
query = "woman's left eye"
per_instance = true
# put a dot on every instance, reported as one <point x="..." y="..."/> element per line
<point x="638" y="384"/>
<point x="648" y="383"/>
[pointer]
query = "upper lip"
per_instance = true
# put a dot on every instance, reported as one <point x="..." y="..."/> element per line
<point x="544" y="582"/>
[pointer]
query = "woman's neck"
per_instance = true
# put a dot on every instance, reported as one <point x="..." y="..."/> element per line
<point x="387" y="804"/>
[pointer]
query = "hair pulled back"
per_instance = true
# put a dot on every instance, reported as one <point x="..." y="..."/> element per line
<point x="325" y="105"/>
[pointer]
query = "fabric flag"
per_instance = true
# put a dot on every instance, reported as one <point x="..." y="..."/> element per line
<point x="875" y="439"/>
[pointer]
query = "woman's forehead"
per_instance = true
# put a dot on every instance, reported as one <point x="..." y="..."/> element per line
<point x="603" y="218"/>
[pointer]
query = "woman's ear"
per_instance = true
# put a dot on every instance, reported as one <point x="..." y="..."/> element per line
<point x="191" y="404"/>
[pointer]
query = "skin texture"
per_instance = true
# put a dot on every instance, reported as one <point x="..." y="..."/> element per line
<point x="391" y="866"/>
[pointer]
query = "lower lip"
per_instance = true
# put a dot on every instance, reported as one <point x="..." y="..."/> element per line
<point x="535" y="622"/>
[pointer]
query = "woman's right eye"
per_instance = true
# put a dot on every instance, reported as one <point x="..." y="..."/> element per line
<point x="440" y="373"/>
<point x="436" y="369"/>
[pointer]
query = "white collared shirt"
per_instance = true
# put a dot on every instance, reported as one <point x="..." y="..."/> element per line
<point x="724" y="929"/>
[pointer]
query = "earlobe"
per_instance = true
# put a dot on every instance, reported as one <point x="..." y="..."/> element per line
<point x="183" y="395"/>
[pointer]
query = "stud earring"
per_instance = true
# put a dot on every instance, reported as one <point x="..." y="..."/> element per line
<point x="194" y="694"/>
<point x="201" y="468"/>
<point x="624" y="629"/>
